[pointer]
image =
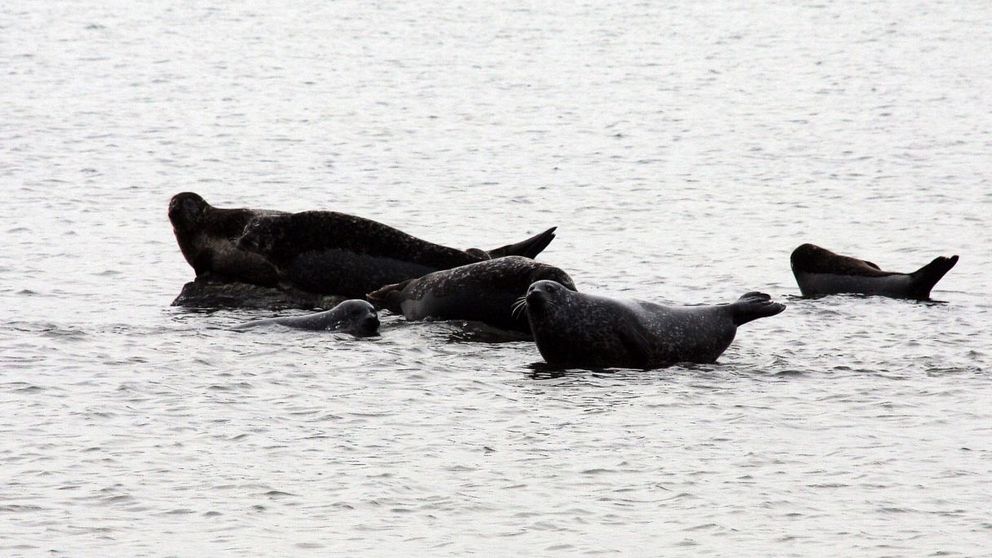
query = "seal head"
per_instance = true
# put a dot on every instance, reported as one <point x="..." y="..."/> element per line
<point x="207" y="237"/>
<point x="356" y="317"/>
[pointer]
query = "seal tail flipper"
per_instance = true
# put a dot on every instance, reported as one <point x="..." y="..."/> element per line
<point x="927" y="276"/>
<point x="529" y="248"/>
<point x="388" y="297"/>
<point x="754" y="305"/>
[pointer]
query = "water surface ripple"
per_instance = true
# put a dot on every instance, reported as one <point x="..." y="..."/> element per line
<point x="683" y="150"/>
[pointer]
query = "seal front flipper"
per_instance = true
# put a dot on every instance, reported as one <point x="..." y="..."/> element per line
<point x="754" y="305"/>
<point x="925" y="278"/>
<point x="636" y="346"/>
<point x="529" y="248"/>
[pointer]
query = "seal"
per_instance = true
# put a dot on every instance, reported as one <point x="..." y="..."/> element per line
<point x="483" y="292"/>
<point x="573" y="329"/>
<point x="335" y="253"/>
<point x="356" y="317"/>
<point x="821" y="272"/>
<point x="208" y="236"/>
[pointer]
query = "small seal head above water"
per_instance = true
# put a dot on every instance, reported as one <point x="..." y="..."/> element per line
<point x="483" y="292"/>
<point x="335" y="253"/>
<point x="820" y="272"/>
<point x="356" y="317"/>
<point x="208" y="235"/>
<point x="574" y="329"/>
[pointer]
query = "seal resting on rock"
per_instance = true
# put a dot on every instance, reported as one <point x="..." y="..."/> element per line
<point x="483" y="292"/>
<point x="574" y="329"/>
<point x="822" y="272"/>
<point x="208" y="236"/>
<point x="335" y="253"/>
<point x="356" y="317"/>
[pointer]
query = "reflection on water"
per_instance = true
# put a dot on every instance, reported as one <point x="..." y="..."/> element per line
<point x="683" y="152"/>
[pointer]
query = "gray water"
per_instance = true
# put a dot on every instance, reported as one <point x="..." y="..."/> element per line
<point x="683" y="151"/>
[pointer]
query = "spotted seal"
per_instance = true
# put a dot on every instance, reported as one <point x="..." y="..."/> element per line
<point x="483" y="291"/>
<point x="822" y="272"/>
<point x="208" y="236"/>
<point x="357" y="317"/>
<point x="574" y="329"/>
<point x="335" y="253"/>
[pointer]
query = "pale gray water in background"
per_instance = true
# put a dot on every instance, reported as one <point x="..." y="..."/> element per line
<point x="682" y="150"/>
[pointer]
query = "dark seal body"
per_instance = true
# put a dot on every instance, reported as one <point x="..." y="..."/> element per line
<point x="573" y="329"/>
<point x="208" y="237"/>
<point x="335" y="253"/>
<point x="484" y="291"/>
<point x="356" y="317"/>
<point x="821" y="272"/>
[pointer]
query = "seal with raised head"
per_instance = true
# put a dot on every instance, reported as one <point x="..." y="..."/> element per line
<point x="574" y="329"/>
<point x="208" y="237"/>
<point x="356" y="317"/>
<point x="483" y="292"/>
<point x="335" y="253"/>
<point x="822" y="272"/>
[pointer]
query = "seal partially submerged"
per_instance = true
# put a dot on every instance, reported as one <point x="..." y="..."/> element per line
<point x="208" y="237"/>
<point x="573" y="329"/>
<point x="483" y="291"/>
<point x="822" y="272"/>
<point x="356" y="317"/>
<point x="336" y="253"/>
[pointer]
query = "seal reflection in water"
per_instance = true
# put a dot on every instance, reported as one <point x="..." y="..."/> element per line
<point x="335" y="253"/>
<point x="356" y="317"/>
<point x="820" y="272"/>
<point x="580" y="330"/>
<point x="483" y="292"/>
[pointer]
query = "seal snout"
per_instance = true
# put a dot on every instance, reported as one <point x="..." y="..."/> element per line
<point x="371" y="323"/>
<point x="364" y="319"/>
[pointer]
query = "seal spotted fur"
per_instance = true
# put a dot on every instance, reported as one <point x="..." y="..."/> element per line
<point x="576" y="329"/>
<point x="335" y="253"/>
<point x="483" y="291"/>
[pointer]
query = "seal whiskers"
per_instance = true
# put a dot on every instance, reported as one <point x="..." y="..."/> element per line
<point x="518" y="306"/>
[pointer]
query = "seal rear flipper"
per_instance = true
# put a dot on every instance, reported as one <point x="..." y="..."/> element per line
<point x="754" y="305"/>
<point x="389" y="297"/>
<point x="927" y="276"/>
<point x="529" y="248"/>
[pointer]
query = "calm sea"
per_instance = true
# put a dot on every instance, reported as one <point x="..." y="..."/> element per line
<point x="682" y="149"/>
